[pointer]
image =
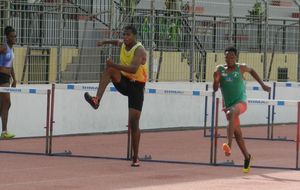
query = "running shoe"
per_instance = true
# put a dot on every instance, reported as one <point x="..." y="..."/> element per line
<point x="7" y="135"/>
<point x="93" y="101"/>
<point x="247" y="164"/>
<point x="135" y="163"/>
<point x="226" y="149"/>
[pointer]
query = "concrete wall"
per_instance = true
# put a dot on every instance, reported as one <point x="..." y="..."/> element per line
<point x="66" y="58"/>
<point x="73" y="115"/>
<point x="255" y="61"/>
<point x="174" y="68"/>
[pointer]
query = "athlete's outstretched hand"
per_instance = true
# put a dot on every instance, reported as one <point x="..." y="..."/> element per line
<point x="100" y="43"/>
<point x="14" y="84"/>
<point x="266" y="88"/>
<point x="109" y="62"/>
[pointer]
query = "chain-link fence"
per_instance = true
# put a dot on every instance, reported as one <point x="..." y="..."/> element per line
<point x="184" y="39"/>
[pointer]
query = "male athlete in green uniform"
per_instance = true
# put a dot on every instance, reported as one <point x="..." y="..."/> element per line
<point x="229" y="78"/>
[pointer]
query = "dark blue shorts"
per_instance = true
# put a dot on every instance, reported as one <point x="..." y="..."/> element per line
<point x="4" y="78"/>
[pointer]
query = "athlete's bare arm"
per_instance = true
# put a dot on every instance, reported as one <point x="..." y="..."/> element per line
<point x="2" y="49"/>
<point x="117" y="42"/>
<point x="244" y="68"/>
<point x="217" y="76"/>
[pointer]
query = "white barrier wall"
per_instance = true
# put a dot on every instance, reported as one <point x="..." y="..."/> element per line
<point x="72" y="115"/>
<point x="28" y="112"/>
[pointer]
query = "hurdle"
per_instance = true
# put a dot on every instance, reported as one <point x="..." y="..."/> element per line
<point x="69" y="87"/>
<point x="84" y="87"/>
<point x="262" y="102"/>
<point x="286" y="85"/>
<point x="35" y="91"/>
<point x="196" y="93"/>
<point x="152" y="91"/>
<point x="254" y="88"/>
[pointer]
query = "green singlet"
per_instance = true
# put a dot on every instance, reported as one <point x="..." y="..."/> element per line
<point x="232" y="86"/>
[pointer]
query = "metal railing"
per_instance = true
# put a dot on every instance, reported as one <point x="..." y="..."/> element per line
<point x="184" y="33"/>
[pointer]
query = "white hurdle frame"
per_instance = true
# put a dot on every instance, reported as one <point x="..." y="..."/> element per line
<point x="287" y="85"/>
<point x="262" y="102"/>
<point x="255" y="88"/>
<point x="214" y="118"/>
<point x="35" y="91"/>
<point x="79" y="87"/>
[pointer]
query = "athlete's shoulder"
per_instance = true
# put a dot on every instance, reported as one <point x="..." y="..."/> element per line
<point x="221" y="66"/>
<point x="242" y="64"/>
<point x="244" y="67"/>
<point x="140" y="47"/>
<point x="122" y="44"/>
<point x="3" y="48"/>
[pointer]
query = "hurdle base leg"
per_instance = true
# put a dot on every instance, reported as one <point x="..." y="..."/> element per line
<point x="227" y="163"/>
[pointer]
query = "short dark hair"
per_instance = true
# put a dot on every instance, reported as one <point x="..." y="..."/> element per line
<point x="131" y="28"/>
<point x="8" y="29"/>
<point x="231" y="49"/>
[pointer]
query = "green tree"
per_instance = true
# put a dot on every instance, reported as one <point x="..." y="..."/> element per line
<point x="255" y="16"/>
<point x="128" y="6"/>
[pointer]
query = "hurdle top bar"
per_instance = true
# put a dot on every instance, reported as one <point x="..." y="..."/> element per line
<point x="23" y="90"/>
<point x="269" y="102"/>
<point x="178" y="92"/>
<point x="147" y="90"/>
<point x="272" y="102"/>
<point x="288" y="84"/>
<point x="252" y="87"/>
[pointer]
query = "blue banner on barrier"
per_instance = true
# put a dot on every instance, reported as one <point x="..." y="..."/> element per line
<point x="280" y="103"/>
<point x="32" y="91"/>
<point x="70" y="87"/>
<point x="196" y="93"/>
<point x="151" y="91"/>
<point x="288" y="84"/>
<point x="112" y="89"/>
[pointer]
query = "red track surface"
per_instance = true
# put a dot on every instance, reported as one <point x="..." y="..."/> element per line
<point x="180" y="160"/>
